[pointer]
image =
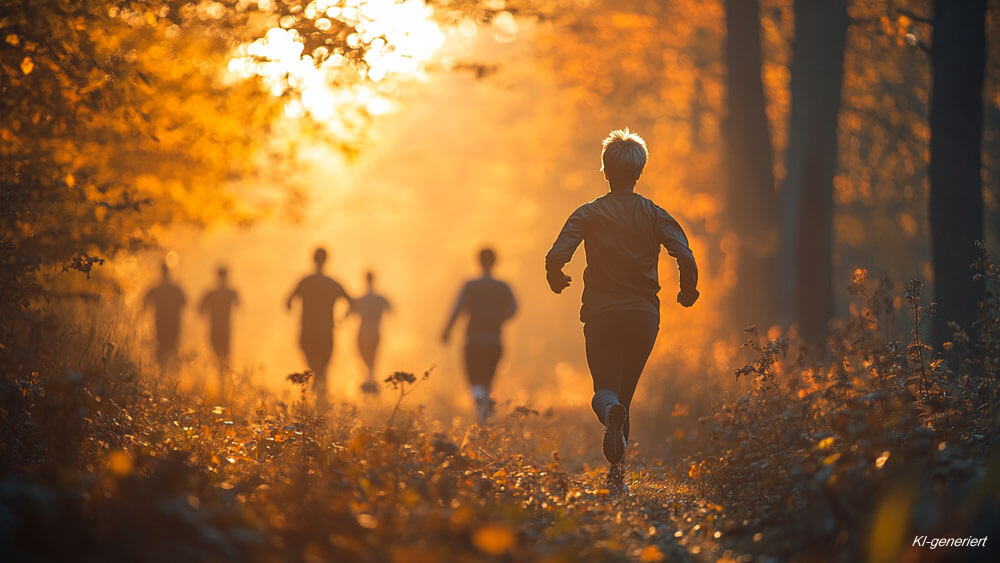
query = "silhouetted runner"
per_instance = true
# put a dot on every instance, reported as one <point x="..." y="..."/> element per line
<point x="319" y="295"/>
<point x="218" y="304"/>
<point x="489" y="302"/>
<point x="167" y="300"/>
<point x="370" y="308"/>
<point x="622" y="233"/>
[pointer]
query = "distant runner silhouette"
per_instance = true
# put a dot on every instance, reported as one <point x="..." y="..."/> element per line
<point x="167" y="300"/>
<point x="370" y="308"/>
<point x="218" y="304"/>
<point x="319" y="295"/>
<point x="489" y="302"/>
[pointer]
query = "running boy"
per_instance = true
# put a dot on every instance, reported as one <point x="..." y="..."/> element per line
<point x="622" y="233"/>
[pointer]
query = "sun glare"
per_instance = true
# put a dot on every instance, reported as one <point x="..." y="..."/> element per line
<point x="398" y="38"/>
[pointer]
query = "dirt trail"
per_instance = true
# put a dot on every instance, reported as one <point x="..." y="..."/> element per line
<point x="657" y="517"/>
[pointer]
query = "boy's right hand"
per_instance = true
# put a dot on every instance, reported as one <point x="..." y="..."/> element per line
<point x="558" y="281"/>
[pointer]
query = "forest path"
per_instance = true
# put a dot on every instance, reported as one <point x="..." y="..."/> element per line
<point x="658" y="516"/>
<point x="665" y="515"/>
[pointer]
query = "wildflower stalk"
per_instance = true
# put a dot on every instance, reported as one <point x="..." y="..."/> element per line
<point x="301" y="380"/>
<point x="405" y="383"/>
<point x="913" y="291"/>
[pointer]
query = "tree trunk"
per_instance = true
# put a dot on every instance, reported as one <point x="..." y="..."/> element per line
<point x="958" y="59"/>
<point x="811" y="163"/>
<point x="752" y="200"/>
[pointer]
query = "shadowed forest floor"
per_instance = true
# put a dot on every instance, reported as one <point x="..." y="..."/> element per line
<point x="126" y="469"/>
<point x="169" y="476"/>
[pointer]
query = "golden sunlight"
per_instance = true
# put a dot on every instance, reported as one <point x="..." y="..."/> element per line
<point x="398" y="37"/>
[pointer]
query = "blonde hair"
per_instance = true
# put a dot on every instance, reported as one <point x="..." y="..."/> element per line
<point x="623" y="156"/>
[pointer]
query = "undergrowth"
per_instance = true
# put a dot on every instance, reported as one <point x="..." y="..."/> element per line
<point x="851" y="456"/>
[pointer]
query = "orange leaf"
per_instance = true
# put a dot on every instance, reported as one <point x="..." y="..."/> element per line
<point x="651" y="554"/>
<point x="494" y="539"/>
<point x="694" y="471"/>
<point x="120" y="463"/>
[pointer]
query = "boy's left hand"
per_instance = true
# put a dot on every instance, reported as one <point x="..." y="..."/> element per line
<point x="687" y="298"/>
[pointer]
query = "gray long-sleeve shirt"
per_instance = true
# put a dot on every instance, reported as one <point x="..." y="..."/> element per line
<point x="622" y="233"/>
<point x="490" y="303"/>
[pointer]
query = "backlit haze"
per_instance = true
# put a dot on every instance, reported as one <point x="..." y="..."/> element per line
<point x="451" y="163"/>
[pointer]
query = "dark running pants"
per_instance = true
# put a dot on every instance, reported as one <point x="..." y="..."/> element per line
<point x="318" y="350"/>
<point x="481" y="360"/>
<point x="618" y="345"/>
<point x="368" y="346"/>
